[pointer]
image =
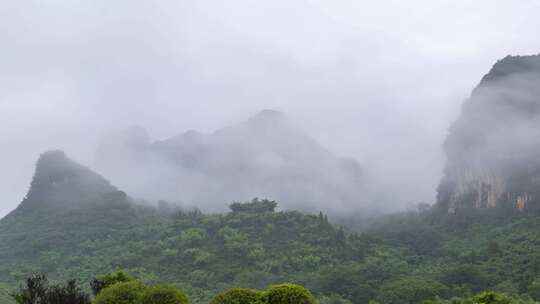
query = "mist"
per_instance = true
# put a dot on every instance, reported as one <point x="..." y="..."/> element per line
<point x="267" y="156"/>
<point x="379" y="83"/>
<point x="493" y="147"/>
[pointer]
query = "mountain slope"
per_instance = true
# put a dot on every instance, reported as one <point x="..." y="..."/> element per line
<point x="405" y="258"/>
<point x="5" y="297"/>
<point x="74" y="224"/>
<point x="67" y="204"/>
<point x="493" y="149"/>
<point x="265" y="156"/>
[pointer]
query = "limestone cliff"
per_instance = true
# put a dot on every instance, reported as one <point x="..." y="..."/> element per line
<point x="493" y="149"/>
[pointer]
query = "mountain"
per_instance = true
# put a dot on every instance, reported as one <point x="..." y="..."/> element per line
<point x="265" y="156"/>
<point x="59" y="182"/>
<point x="75" y="224"/>
<point x="67" y="204"/>
<point x="493" y="149"/>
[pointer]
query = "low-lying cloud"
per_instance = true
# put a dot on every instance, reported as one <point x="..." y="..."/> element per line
<point x="379" y="83"/>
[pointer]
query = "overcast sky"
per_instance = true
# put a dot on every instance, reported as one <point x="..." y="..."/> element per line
<point x="379" y="81"/>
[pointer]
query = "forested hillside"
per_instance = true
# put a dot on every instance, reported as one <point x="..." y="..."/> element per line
<point x="74" y="224"/>
<point x="5" y="294"/>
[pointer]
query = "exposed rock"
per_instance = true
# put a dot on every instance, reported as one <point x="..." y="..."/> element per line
<point x="493" y="149"/>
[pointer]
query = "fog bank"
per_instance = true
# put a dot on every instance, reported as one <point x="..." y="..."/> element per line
<point x="378" y="82"/>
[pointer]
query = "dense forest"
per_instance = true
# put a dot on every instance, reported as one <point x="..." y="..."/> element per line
<point x="355" y="177"/>
<point x="402" y="258"/>
<point x="74" y="228"/>
<point x="119" y="288"/>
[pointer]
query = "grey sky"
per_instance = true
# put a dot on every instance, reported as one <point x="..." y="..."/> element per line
<point x="379" y="81"/>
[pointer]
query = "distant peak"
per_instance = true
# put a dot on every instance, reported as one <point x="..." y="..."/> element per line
<point x="267" y="117"/>
<point x="511" y="65"/>
<point x="53" y="154"/>
<point x="53" y="158"/>
<point x="54" y="166"/>
<point x="56" y="174"/>
<point x="268" y="114"/>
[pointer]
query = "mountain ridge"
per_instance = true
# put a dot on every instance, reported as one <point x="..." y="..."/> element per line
<point x="267" y="155"/>
<point x="491" y="148"/>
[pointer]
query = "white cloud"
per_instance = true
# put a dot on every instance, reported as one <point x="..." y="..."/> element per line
<point x="379" y="80"/>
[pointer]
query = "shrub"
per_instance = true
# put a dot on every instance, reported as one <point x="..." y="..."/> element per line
<point x="237" y="296"/>
<point x="38" y="291"/>
<point x="411" y="290"/>
<point x="121" y="293"/>
<point x="163" y="295"/>
<point x="287" y="294"/>
<point x="491" y="298"/>
<point x="109" y="279"/>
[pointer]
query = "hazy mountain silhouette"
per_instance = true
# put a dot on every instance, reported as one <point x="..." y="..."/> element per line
<point x="267" y="155"/>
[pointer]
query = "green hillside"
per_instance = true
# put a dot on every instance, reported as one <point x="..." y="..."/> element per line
<point x="74" y="225"/>
<point x="5" y="294"/>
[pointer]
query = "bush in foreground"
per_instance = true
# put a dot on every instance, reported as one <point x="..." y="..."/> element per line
<point x="121" y="293"/>
<point x="38" y="291"/>
<point x="237" y="296"/>
<point x="109" y="279"/>
<point x="163" y="295"/>
<point x="288" y="294"/>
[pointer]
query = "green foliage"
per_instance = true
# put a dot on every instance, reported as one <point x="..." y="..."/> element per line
<point x="163" y="295"/>
<point x="491" y="298"/>
<point x="534" y="289"/>
<point x="255" y="206"/>
<point x="38" y="291"/>
<point x="109" y="279"/>
<point x="411" y="290"/>
<point x="402" y="258"/>
<point x="121" y="293"/>
<point x="5" y="295"/>
<point x="466" y="274"/>
<point x="484" y="298"/>
<point x="237" y="296"/>
<point x="287" y="294"/>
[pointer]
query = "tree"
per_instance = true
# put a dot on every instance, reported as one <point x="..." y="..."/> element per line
<point x="288" y="294"/>
<point x="493" y="249"/>
<point x="108" y="279"/>
<point x="534" y="289"/>
<point x="121" y="293"/>
<point x="38" y="291"/>
<point x="69" y="294"/>
<point x="163" y="295"/>
<point x="492" y="298"/>
<point x="255" y="206"/>
<point x="411" y="290"/>
<point x="237" y="296"/>
<point x="35" y="291"/>
<point x="467" y="274"/>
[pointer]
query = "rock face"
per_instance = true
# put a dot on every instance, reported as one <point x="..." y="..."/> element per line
<point x="266" y="156"/>
<point x="493" y="149"/>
